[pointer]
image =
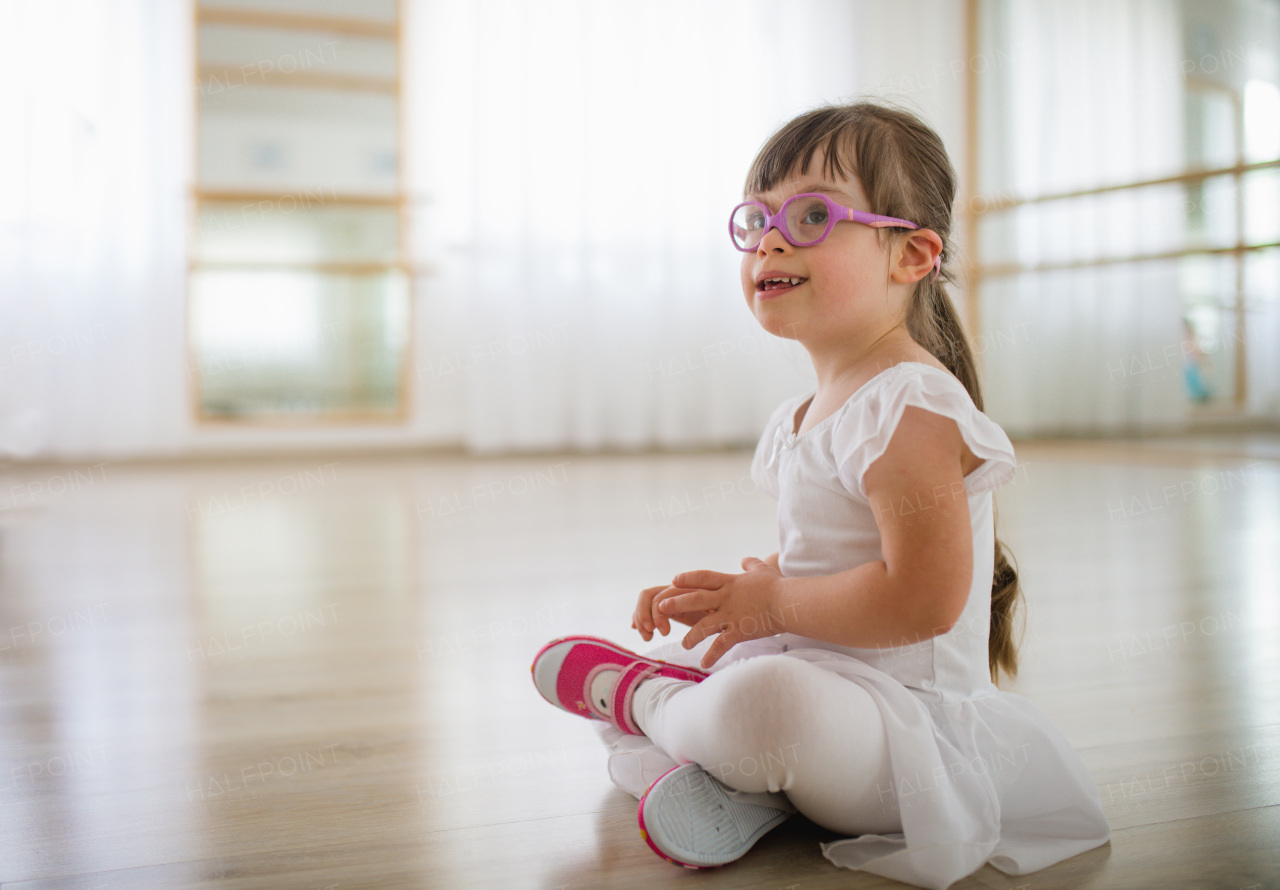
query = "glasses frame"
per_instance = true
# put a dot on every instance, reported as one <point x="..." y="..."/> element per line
<point x="835" y="213"/>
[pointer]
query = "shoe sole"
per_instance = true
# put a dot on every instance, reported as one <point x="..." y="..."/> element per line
<point x="687" y="819"/>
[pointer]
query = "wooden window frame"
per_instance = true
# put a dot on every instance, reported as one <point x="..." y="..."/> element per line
<point x="974" y="210"/>
<point x="199" y="197"/>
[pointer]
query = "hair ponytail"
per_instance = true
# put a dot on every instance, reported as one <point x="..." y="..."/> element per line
<point x="1002" y="647"/>
<point x="933" y="322"/>
<point x="905" y="172"/>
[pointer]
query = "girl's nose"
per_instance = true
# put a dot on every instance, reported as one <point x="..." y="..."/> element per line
<point x="773" y="240"/>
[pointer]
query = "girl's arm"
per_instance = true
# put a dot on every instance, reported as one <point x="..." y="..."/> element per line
<point x="917" y="591"/>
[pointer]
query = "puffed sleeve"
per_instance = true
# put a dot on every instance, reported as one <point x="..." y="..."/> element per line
<point x="764" y="465"/>
<point x="862" y="432"/>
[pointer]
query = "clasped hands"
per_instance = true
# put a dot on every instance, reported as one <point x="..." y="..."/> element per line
<point x="737" y="607"/>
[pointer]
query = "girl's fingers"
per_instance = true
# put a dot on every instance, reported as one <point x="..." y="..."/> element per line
<point x="659" y="619"/>
<point x="639" y="625"/>
<point x="712" y="624"/>
<point x="662" y="617"/>
<point x="716" y="651"/>
<point x="643" y="619"/>
<point x="703" y="579"/>
<point x="696" y="635"/>
<point x="689" y="619"/>
<point x="750" y="562"/>
<point x="637" y="619"/>
<point x="644" y="616"/>
<point x="688" y="601"/>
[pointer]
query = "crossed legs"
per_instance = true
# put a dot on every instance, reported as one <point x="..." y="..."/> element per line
<point x="774" y="723"/>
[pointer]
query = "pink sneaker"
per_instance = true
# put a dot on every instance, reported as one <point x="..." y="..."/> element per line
<point x="564" y="670"/>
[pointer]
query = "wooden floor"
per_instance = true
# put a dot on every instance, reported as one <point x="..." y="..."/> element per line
<point x="313" y="673"/>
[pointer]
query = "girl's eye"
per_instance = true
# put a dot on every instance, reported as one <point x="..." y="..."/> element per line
<point x="755" y="221"/>
<point x="814" y="216"/>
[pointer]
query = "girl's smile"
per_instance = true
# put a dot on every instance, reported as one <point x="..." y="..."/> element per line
<point x="772" y="283"/>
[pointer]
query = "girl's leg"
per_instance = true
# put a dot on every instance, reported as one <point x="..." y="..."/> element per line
<point x="774" y="723"/>
<point x="635" y="761"/>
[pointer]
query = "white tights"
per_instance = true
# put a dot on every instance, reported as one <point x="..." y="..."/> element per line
<point x="773" y="723"/>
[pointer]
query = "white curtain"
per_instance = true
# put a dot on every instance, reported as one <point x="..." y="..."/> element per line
<point x="92" y="191"/>
<point x="571" y="163"/>
<point x="1082" y="93"/>
<point x="575" y="163"/>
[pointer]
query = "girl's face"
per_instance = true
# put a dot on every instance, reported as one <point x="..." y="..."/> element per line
<point x="843" y="283"/>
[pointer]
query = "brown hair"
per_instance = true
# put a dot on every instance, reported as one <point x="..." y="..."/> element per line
<point x="905" y="172"/>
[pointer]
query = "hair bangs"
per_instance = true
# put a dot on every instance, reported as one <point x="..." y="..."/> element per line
<point x="822" y="132"/>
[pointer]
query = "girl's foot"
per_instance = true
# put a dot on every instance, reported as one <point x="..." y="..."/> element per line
<point x="688" y="818"/>
<point x="596" y="679"/>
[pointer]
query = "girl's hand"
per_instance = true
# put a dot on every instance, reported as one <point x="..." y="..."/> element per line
<point x="647" y="618"/>
<point x="737" y="607"/>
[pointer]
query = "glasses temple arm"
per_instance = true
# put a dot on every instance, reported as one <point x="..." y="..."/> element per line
<point x="887" y="222"/>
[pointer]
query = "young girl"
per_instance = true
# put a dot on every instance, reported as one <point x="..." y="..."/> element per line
<point x="850" y="675"/>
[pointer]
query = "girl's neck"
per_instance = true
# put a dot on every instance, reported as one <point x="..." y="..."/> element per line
<point x="844" y="365"/>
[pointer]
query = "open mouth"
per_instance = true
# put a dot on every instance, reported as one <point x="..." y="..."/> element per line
<point x="769" y="285"/>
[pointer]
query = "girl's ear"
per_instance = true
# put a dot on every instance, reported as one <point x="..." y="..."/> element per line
<point x="915" y="255"/>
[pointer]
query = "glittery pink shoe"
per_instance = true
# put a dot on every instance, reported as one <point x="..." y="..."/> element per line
<point x="564" y="670"/>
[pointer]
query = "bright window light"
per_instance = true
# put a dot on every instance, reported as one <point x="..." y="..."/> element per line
<point x="271" y="314"/>
<point x="1261" y="121"/>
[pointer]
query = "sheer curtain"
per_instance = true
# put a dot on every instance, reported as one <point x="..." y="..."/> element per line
<point x="92" y="176"/>
<point x="575" y="163"/>
<point x="572" y="165"/>
<point x="1082" y="93"/>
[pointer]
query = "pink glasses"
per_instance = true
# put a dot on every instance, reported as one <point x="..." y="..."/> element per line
<point x="804" y="220"/>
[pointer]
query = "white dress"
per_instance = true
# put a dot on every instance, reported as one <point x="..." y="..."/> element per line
<point x="980" y="775"/>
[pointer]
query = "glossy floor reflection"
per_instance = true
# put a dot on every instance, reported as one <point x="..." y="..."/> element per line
<point x="313" y="673"/>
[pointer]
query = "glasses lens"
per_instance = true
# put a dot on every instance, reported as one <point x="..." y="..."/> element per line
<point x="807" y="219"/>
<point x="748" y="226"/>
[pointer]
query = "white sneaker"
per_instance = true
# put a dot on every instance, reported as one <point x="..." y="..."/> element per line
<point x="688" y="818"/>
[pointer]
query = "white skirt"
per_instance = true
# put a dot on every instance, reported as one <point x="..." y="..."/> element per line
<point x="976" y="780"/>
